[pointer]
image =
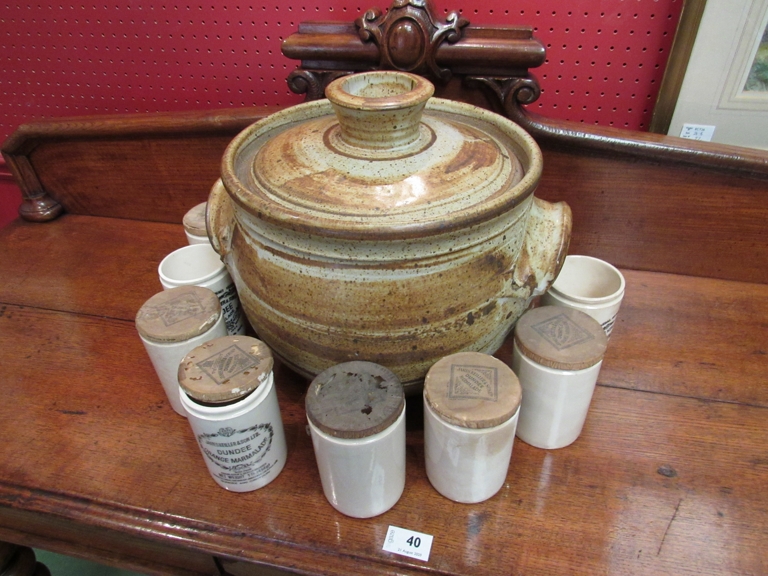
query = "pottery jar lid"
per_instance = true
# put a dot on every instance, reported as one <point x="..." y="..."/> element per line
<point x="472" y="390"/>
<point x="381" y="159"/>
<point x="178" y="314"/>
<point x="354" y="399"/>
<point x="560" y="338"/>
<point x="194" y="220"/>
<point x="225" y="369"/>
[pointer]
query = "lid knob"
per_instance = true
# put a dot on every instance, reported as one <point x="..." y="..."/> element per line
<point x="380" y="110"/>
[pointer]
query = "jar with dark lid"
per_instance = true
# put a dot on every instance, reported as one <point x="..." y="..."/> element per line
<point x="557" y="355"/>
<point x="172" y="323"/>
<point x="194" y="224"/>
<point x="356" y="415"/>
<point x="229" y="394"/>
<point x="471" y="405"/>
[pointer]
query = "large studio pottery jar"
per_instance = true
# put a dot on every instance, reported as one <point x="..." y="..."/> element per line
<point x="384" y="225"/>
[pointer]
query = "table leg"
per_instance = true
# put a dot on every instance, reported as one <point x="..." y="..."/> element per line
<point x="20" y="561"/>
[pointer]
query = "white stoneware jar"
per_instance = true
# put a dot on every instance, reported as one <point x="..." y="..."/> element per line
<point x="194" y="225"/>
<point x="385" y="225"/>
<point x="228" y="391"/>
<point x="356" y="415"/>
<point x="557" y="356"/>
<point x="591" y="285"/>
<point x="199" y="265"/>
<point x="172" y="323"/>
<point x="471" y="406"/>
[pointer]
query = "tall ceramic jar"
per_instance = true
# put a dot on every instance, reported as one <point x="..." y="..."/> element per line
<point x="228" y="392"/>
<point x="385" y="225"/>
<point x="194" y="224"/>
<point x="557" y="355"/>
<point x="356" y="415"/>
<point x="173" y="322"/>
<point x="471" y="409"/>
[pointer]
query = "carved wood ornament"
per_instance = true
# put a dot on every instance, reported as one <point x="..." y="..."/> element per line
<point x="411" y="38"/>
<point x="408" y="36"/>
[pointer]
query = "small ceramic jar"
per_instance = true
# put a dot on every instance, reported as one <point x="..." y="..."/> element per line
<point x="172" y="323"/>
<point x="229" y="394"/>
<point x="194" y="225"/>
<point x="356" y="415"/>
<point x="199" y="265"/>
<point x="471" y="405"/>
<point x="591" y="285"/>
<point x="557" y="355"/>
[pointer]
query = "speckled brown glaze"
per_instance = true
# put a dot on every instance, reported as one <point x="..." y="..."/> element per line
<point x="382" y="233"/>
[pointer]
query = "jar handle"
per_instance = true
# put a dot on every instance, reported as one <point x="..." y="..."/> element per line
<point x="219" y="219"/>
<point x="547" y="235"/>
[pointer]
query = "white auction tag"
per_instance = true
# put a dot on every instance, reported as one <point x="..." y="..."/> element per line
<point x="702" y="132"/>
<point x="408" y="543"/>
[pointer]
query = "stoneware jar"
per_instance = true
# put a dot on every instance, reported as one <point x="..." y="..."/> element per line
<point x="557" y="356"/>
<point x="591" y="285"/>
<point x="356" y="415"/>
<point x="385" y="225"/>
<point x="173" y="322"/>
<point x="228" y="392"/>
<point x="199" y="265"/>
<point x="471" y="407"/>
<point x="194" y="225"/>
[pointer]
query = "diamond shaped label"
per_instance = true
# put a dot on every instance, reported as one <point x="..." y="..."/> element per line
<point x="562" y="332"/>
<point x="174" y="311"/>
<point x="473" y="382"/>
<point x="226" y="364"/>
<point x="181" y="308"/>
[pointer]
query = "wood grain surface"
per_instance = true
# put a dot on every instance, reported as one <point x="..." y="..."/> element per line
<point x="663" y="216"/>
<point x="142" y="166"/>
<point x="74" y="271"/>
<point x="668" y="476"/>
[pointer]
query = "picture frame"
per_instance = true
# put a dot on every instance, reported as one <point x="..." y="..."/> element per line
<point x="687" y="28"/>
<point x="713" y="102"/>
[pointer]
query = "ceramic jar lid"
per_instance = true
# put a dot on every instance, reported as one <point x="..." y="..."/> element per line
<point x="178" y="314"/>
<point x="354" y="399"/>
<point x="370" y="162"/>
<point x="225" y="369"/>
<point x="560" y="338"/>
<point x="194" y="220"/>
<point x="472" y="390"/>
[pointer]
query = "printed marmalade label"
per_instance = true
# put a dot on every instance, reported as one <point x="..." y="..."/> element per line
<point x="239" y="456"/>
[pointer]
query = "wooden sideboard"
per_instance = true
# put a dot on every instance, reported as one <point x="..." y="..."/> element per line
<point x="668" y="476"/>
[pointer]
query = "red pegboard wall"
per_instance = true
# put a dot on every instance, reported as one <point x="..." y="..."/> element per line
<point x="605" y="58"/>
<point x="604" y="66"/>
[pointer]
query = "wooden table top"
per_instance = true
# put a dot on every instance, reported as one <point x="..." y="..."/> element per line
<point x="668" y="477"/>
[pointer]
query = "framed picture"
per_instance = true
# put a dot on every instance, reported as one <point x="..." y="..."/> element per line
<point x="724" y="92"/>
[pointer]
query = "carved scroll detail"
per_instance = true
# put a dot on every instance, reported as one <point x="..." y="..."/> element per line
<point x="511" y="92"/>
<point x="408" y="36"/>
<point x="312" y="83"/>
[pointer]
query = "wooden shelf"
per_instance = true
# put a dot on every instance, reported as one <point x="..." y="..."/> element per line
<point x="668" y="476"/>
